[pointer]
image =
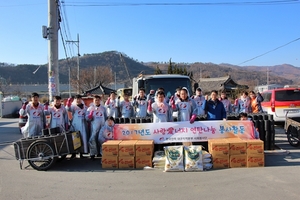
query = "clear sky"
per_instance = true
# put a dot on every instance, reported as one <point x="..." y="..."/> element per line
<point x="217" y="33"/>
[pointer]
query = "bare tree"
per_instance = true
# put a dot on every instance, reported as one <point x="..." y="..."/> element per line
<point x="4" y="86"/>
<point x="91" y="77"/>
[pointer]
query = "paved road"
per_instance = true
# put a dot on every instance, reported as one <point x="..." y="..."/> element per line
<point x="84" y="179"/>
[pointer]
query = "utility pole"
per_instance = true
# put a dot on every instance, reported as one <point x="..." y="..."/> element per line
<point x="52" y="36"/>
<point x="76" y="42"/>
<point x="268" y="76"/>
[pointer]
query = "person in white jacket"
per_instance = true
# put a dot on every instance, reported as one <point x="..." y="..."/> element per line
<point x="243" y="103"/>
<point x="96" y="114"/>
<point x="112" y="105"/>
<point x="106" y="132"/>
<point x="78" y="110"/>
<point x="161" y="110"/>
<point x="59" y="116"/>
<point x="141" y="103"/>
<point x="226" y="102"/>
<point x="36" y="118"/>
<point x="126" y="107"/>
<point x="200" y="101"/>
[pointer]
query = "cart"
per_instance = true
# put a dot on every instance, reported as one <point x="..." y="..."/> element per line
<point x="42" y="152"/>
<point x="292" y="128"/>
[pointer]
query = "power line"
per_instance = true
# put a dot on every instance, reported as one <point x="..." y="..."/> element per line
<point x="112" y="4"/>
<point x="270" y="51"/>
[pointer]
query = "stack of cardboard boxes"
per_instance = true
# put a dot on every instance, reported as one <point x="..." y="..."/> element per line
<point x="127" y="154"/>
<point x="236" y="152"/>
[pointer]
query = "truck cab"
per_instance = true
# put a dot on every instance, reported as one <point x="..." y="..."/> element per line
<point x="167" y="81"/>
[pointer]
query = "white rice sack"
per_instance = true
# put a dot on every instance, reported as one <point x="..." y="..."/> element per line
<point x="207" y="166"/>
<point x="174" y="159"/>
<point x="206" y="160"/>
<point x="159" y="156"/>
<point x="193" y="158"/>
<point x="205" y="154"/>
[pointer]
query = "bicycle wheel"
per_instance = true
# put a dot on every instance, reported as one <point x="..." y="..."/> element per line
<point x="292" y="136"/>
<point x="40" y="155"/>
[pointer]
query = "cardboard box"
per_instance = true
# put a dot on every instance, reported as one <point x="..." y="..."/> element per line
<point x="255" y="146"/>
<point x="220" y="162"/>
<point x="110" y="148"/>
<point x="144" y="148"/>
<point x="126" y="162"/>
<point x="143" y="161"/>
<point x="238" y="161"/>
<point x="127" y="148"/>
<point x="237" y="146"/>
<point x="255" y="160"/>
<point x="218" y="147"/>
<point x="110" y="162"/>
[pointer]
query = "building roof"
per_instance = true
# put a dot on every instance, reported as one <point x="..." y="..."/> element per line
<point x="219" y="84"/>
<point x="100" y="89"/>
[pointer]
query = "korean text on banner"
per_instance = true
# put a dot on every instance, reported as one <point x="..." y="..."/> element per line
<point x="199" y="131"/>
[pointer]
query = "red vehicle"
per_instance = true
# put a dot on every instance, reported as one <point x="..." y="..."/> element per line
<point x="282" y="103"/>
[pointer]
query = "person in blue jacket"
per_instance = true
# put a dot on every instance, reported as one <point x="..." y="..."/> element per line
<point x="214" y="108"/>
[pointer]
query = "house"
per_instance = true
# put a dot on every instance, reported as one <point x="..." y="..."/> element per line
<point x="99" y="90"/>
<point x="221" y="84"/>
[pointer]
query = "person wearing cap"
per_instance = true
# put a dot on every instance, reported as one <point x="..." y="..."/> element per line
<point x="36" y="118"/>
<point x="106" y="132"/>
<point x="112" y="105"/>
<point x="226" y="102"/>
<point x="200" y="101"/>
<point x="96" y="114"/>
<point x="126" y="107"/>
<point x="141" y="103"/>
<point x="79" y="110"/>
<point x="186" y="107"/>
<point x="58" y="113"/>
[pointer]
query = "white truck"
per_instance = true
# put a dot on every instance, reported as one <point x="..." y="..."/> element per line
<point x="167" y="81"/>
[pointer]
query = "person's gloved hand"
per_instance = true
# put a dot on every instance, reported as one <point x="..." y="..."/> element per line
<point x="69" y="101"/>
<point x="149" y="106"/>
<point x="91" y="115"/>
<point x="46" y="105"/>
<point x="135" y="97"/>
<point x="193" y="118"/>
<point x="119" y="97"/>
<point x="172" y="102"/>
<point x="108" y="101"/>
<point x="236" y="102"/>
<point x="24" y="105"/>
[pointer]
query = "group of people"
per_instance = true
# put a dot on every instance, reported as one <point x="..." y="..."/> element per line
<point x="96" y="121"/>
<point x="100" y="129"/>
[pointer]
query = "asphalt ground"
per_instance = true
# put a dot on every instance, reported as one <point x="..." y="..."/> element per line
<point x="84" y="178"/>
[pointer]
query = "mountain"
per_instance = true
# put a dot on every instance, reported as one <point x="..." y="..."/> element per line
<point x="249" y="75"/>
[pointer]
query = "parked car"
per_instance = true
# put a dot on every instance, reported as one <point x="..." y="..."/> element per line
<point x="281" y="103"/>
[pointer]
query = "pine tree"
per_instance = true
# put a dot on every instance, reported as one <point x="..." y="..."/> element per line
<point x="184" y="71"/>
<point x="157" y="70"/>
<point x="170" y="67"/>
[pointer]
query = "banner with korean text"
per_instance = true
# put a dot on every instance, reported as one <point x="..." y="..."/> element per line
<point x="199" y="131"/>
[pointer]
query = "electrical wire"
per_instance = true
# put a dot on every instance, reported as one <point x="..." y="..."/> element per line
<point x="66" y="28"/>
<point x="270" y="51"/>
<point x="102" y="4"/>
